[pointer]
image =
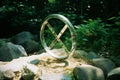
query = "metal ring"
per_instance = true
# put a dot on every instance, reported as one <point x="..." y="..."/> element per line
<point x="70" y="27"/>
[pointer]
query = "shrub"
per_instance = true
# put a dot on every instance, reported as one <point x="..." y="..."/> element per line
<point x="92" y="35"/>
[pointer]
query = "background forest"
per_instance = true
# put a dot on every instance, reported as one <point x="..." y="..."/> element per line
<point x="97" y="22"/>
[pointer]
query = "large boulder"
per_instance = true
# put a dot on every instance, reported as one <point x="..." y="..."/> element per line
<point x="55" y="76"/>
<point x="88" y="72"/>
<point x="114" y="74"/>
<point x="22" y="37"/>
<point x="92" y="55"/>
<point x="35" y="67"/>
<point x="105" y="64"/>
<point x="27" y="40"/>
<point x="11" y="51"/>
<point x="23" y="68"/>
<point x="18" y="68"/>
<point x="87" y="55"/>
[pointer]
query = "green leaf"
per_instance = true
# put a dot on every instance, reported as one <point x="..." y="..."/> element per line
<point x="51" y="1"/>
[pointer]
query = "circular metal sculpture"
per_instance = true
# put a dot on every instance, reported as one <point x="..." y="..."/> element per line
<point x="67" y="24"/>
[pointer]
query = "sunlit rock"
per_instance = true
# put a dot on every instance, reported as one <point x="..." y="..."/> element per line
<point x="114" y="74"/>
<point x="56" y="76"/>
<point x="46" y="67"/>
<point x="105" y="64"/>
<point x="18" y="68"/>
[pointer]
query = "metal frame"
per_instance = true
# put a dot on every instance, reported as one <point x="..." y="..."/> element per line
<point x="57" y="37"/>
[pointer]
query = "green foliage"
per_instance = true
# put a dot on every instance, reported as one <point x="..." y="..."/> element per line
<point x="18" y="13"/>
<point x="51" y="1"/>
<point x="2" y="43"/>
<point x="114" y="35"/>
<point x="92" y="35"/>
<point x="74" y="18"/>
<point x="100" y="36"/>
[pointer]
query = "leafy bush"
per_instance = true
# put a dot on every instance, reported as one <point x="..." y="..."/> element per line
<point x="92" y="35"/>
<point x="100" y="36"/>
<point x="113" y="43"/>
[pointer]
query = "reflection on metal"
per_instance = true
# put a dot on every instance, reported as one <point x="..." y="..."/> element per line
<point x="57" y="37"/>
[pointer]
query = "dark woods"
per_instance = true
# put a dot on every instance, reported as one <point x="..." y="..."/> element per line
<point x="100" y="18"/>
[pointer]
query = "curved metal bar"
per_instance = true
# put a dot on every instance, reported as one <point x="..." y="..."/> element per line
<point x="72" y="32"/>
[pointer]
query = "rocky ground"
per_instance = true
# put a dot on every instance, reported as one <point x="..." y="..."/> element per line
<point x="17" y="64"/>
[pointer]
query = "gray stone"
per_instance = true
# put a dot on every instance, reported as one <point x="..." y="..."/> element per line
<point x="10" y="51"/>
<point x="92" y="55"/>
<point x="35" y="61"/>
<point x="114" y="74"/>
<point x="22" y="37"/>
<point x="31" y="46"/>
<point x="27" y="40"/>
<point x="88" y="72"/>
<point x="80" y="54"/>
<point x="105" y="64"/>
<point x="46" y="67"/>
